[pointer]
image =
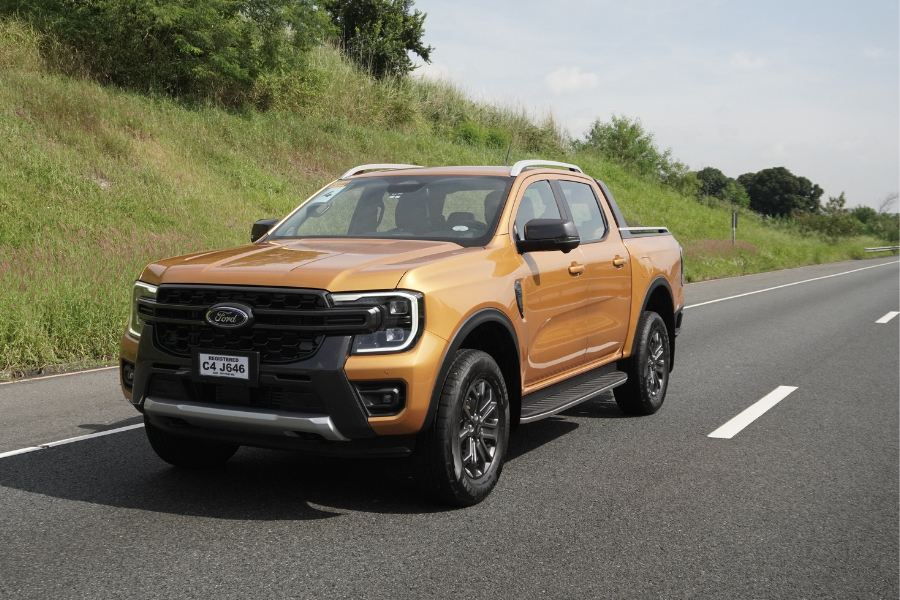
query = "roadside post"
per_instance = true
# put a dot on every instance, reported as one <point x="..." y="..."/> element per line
<point x="733" y="228"/>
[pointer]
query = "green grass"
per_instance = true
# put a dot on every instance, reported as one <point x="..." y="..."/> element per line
<point x="96" y="182"/>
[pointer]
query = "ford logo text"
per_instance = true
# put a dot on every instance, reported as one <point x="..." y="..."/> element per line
<point x="228" y="317"/>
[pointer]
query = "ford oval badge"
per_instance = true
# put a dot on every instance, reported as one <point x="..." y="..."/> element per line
<point x="229" y="316"/>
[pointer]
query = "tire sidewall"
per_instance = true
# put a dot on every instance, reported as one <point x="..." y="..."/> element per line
<point x="475" y="366"/>
<point x="650" y="323"/>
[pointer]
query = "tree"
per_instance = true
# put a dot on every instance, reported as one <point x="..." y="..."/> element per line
<point x="887" y="202"/>
<point x="864" y="214"/>
<point x="713" y="181"/>
<point x="778" y="192"/>
<point x="379" y="34"/>
<point x="206" y="48"/>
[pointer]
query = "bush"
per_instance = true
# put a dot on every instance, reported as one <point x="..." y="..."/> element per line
<point x="196" y="48"/>
<point x="625" y="141"/>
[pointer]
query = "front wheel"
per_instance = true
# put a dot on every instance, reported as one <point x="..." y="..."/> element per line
<point x="459" y="458"/>
<point x="647" y="368"/>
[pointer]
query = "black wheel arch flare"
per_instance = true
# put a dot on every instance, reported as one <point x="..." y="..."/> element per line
<point x="669" y="315"/>
<point x="481" y="317"/>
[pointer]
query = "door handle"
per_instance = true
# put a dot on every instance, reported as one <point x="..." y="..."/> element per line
<point x="576" y="269"/>
<point x="619" y="262"/>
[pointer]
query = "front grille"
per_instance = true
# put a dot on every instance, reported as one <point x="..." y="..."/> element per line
<point x="299" y="399"/>
<point x="288" y="325"/>
<point x="274" y="346"/>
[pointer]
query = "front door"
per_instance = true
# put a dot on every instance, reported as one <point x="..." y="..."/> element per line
<point x="554" y="299"/>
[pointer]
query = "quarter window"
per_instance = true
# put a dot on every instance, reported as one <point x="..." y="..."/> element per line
<point x="585" y="211"/>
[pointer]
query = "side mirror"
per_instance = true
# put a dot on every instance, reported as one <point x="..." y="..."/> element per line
<point x="261" y="228"/>
<point x="542" y="235"/>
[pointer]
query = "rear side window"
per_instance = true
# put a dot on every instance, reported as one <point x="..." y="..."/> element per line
<point x="537" y="203"/>
<point x="585" y="211"/>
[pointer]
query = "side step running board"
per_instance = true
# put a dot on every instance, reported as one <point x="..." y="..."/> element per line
<point x="567" y="398"/>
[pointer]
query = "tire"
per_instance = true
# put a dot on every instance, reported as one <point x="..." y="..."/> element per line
<point x="459" y="458"/>
<point x="647" y="368"/>
<point x="185" y="452"/>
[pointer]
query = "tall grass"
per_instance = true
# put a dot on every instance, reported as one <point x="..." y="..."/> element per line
<point x="95" y="183"/>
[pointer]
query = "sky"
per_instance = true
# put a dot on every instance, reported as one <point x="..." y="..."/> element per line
<point x="813" y="86"/>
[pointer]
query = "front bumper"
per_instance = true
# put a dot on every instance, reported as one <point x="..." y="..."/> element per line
<point x="165" y="391"/>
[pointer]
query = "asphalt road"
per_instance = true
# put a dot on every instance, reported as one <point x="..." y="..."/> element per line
<point x="801" y="503"/>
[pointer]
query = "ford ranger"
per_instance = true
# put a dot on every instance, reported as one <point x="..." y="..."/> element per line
<point x="407" y="311"/>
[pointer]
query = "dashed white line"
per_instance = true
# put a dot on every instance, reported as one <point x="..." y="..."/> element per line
<point x="70" y="440"/>
<point x="888" y="317"/>
<point x="753" y="412"/>
<point x="778" y="287"/>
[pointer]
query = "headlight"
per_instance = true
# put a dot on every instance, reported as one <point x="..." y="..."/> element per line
<point x="402" y="320"/>
<point x="135" y="321"/>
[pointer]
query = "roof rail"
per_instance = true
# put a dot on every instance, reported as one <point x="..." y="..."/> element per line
<point x="377" y="167"/>
<point x="527" y="164"/>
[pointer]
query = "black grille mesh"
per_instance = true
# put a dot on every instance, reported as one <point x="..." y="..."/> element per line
<point x="274" y="345"/>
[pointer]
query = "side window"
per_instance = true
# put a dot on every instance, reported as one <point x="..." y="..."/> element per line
<point x="585" y="210"/>
<point x="537" y="203"/>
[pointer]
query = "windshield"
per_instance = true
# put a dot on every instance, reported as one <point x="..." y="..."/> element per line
<point x="457" y="208"/>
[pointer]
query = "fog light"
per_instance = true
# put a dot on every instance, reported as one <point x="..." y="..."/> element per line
<point x="381" y="398"/>
<point x="127" y="375"/>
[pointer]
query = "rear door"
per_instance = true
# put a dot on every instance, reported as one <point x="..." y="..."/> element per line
<point x="554" y="298"/>
<point x="607" y="269"/>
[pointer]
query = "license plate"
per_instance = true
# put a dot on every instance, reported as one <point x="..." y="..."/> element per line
<point x="223" y="365"/>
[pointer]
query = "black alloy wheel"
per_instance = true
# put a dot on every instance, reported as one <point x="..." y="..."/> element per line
<point x="647" y="368"/>
<point x="458" y="459"/>
<point x="478" y="427"/>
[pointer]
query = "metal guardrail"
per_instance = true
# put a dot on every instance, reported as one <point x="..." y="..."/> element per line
<point x="882" y="249"/>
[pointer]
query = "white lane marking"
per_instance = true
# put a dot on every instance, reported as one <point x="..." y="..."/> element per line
<point x="70" y="440"/>
<point x="20" y="451"/>
<point x="778" y="287"/>
<point x="58" y="375"/>
<point x="888" y="317"/>
<point x="753" y="412"/>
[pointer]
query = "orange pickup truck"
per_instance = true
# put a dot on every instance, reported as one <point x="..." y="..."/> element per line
<point x="407" y="311"/>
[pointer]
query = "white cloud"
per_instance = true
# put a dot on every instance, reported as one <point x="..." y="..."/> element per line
<point x="745" y="60"/>
<point x="873" y="52"/>
<point x="566" y="80"/>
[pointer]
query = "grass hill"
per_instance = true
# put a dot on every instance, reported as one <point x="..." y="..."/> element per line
<point x="96" y="182"/>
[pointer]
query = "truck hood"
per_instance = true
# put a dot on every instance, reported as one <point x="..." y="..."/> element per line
<point x="333" y="265"/>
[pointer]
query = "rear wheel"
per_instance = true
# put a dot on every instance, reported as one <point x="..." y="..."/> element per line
<point x="460" y="457"/>
<point x="647" y="368"/>
<point x="185" y="452"/>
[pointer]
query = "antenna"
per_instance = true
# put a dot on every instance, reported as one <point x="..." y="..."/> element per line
<point x="508" y="150"/>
